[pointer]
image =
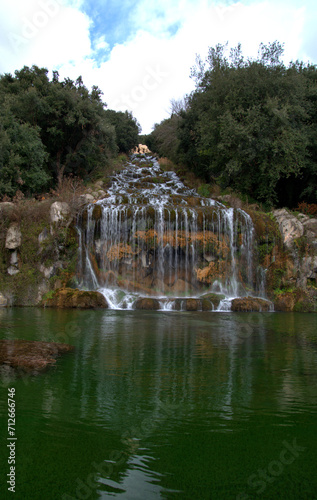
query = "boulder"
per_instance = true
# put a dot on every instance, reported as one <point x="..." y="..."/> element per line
<point x="251" y="304"/>
<point x="214" y="298"/>
<point x="86" y="198"/>
<point x="73" y="298"/>
<point x="206" y="305"/>
<point x="30" y="356"/>
<point x="192" y="304"/>
<point x="59" y="211"/>
<point x="189" y="304"/>
<point x="147" y="303"/>
<point x="291" y="228"/>
<point x="12" y="270"/>
<point x="6" y="205"/>
<point x="13" y="237"/>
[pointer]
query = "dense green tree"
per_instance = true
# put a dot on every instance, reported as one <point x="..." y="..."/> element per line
<point x="127" y="129"/>
<point x="71" y="120"/>
<point x="251" y="125"/>
<point x="22" y="157"/>
<point x="164" y="140"/>
<point x="71" y="123"/>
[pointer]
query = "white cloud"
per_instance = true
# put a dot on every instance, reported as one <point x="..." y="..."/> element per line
<point x="152" y="66"/>
<point x="125" y="75"/>
<point x="101" y="44"/>
<point x="45" y="32"/>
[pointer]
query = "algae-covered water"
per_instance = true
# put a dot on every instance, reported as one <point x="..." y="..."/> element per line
<point x="165" y="405"/>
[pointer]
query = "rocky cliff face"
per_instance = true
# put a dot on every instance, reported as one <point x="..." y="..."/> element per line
<point x="293" y="276"/>
<point x="37" y="250"/>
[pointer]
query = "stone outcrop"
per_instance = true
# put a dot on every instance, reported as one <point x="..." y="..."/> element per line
<point x="64" y="298"/>
<point x="307" y="271"/>
<point x="29" y="356"/>
<point x="86" y="198"/>
<point x="12" y="243"/>
<point x="13" y="237"/>
<point x="292" y="228"/>
<point x="299" y="234"/>
<point x="59" y="211"/>
<point x="285" y="302"/>
<point x="298" y="300"/>
<point x="251" y="304"/>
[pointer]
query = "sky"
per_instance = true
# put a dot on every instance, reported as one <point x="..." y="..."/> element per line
<point x="140" y="52"/>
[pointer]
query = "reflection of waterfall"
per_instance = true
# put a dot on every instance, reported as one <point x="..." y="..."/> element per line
<point x="154" y="236"/>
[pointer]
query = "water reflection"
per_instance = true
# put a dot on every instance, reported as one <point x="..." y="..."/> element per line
<point x="143" y="390"/>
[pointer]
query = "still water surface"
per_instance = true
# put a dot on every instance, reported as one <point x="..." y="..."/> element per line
<point x="165" y="405"/>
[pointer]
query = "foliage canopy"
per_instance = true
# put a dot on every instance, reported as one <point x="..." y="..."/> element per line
<point x="50" y="128"/>
<point x="249" y="125"/>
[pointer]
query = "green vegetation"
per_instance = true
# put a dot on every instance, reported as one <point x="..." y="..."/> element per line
<point x="57" y="251"/>
<point x="50" y="129"/>
<point x="249" y="125"/>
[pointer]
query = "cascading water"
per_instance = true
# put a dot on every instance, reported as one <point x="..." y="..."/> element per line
<point x="152" y="236"/>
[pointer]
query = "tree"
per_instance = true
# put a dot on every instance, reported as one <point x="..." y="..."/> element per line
<point x="127" y="129"/>
<point x="71" y="121"/>
<point x="22" y="157"/>
<point x="250" y="123"/>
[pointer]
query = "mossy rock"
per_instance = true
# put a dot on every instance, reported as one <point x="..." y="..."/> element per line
<point x="265" y="226"/>
<point x="214" y="298"/>
<point x="73" y="298"/>
<point x="296" y="301"/>
<point x="251" y="304"/>
<point x="207" y="305"/>
<point x="30" y="356"/>
<point x="285" y="302"/>
<point x="147" y="303"/>
<point x="192" y="305"/>
<point x="97" y="212"/>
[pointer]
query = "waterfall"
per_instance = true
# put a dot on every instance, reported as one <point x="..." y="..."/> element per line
<point x="153" y="236"/>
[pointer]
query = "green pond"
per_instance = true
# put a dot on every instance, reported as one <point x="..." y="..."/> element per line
<point x="165" y="405"/>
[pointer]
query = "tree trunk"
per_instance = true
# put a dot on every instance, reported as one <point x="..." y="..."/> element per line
<point x="59" y="169"/>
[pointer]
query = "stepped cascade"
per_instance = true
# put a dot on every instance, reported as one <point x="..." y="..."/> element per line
<point x="154" y="237"/>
